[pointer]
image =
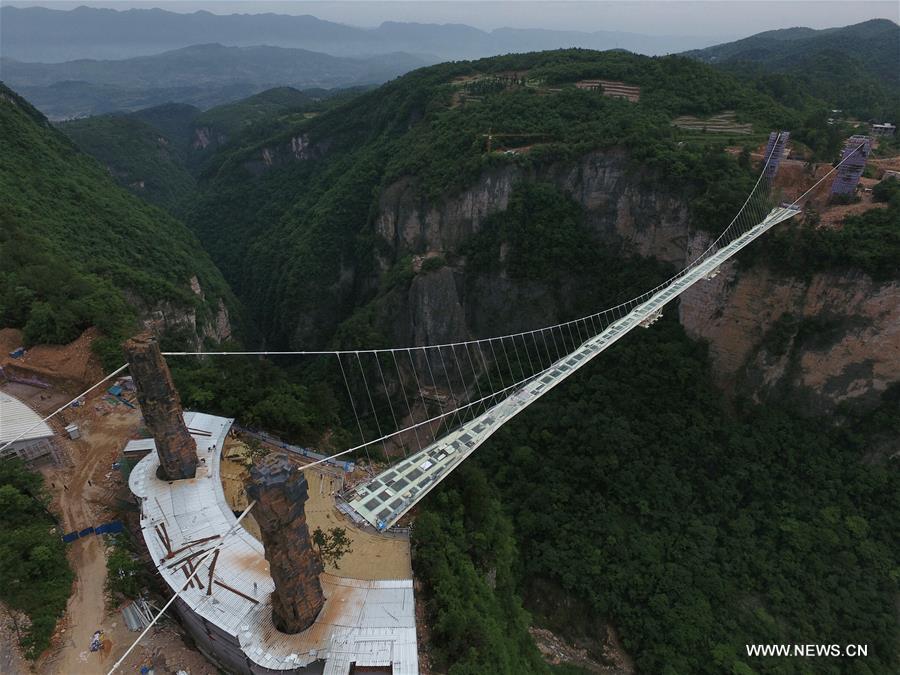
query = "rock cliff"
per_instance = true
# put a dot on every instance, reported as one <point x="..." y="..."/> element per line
<point x="204" y="321"/>
<point x="842" y="330"/>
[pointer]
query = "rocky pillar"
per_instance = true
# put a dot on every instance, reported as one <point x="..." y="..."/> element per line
<point x="280" y="492"/>
<point x="161" y="408"/>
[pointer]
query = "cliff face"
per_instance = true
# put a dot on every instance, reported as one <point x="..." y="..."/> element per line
<point x="205" y="320"/>
<point x="614" y="201"/>
<point x="833" y="338"/>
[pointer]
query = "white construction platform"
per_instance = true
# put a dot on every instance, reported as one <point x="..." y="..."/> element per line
<point x="369" y="623"/>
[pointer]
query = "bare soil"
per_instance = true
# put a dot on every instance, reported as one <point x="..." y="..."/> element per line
<point x="373" y="555"/>
<point x="84" y="491"/>
<point x="74" y="362"/>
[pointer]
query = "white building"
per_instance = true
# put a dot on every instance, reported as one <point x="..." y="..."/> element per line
<point x="16" y="418"/>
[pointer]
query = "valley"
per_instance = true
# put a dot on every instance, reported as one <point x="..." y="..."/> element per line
<point x="726" y="476"/>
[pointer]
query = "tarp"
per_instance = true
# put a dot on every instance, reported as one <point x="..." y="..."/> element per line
<point x="107" y="528"/>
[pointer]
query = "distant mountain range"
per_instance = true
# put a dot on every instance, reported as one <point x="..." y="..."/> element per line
<point x="206" y="60"/>
<point x="201" y="75"/>
<point x="48" y="35"/>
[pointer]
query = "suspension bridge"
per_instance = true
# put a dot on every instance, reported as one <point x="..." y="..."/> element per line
<point x="440" y="402"/>
<point x="390" y="495"/>
<point x="435" y="404"/>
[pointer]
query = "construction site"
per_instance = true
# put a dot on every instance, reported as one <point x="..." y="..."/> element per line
<point x="262" y="602"/>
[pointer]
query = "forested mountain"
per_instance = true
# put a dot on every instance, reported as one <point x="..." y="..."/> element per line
<point x="202" y="75"/>
<point x="157" y="152"/>
<point x="421" y="139"/>
<point x="42" y="34"/>
<point x="386" y="221"/>
<point x="78" y="251"/>
<point x="854" y="67"/>
<point x="725" y="478"/>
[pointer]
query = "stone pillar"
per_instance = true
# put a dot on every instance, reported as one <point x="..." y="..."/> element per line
<point x="280" y="492"/>
<point x="161" y="408"/>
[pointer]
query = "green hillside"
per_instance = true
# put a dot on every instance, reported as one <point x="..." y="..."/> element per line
<point x="283" y="248"/>
<point x="854" y="68"/>
<point x="156" y="152"/>
<point x="137" y="155"/>
<point x="79" y="251"/>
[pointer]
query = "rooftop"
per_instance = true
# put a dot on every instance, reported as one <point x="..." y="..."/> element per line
<point x="16" y="417"/>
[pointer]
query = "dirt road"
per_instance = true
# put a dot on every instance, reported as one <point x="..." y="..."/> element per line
<point x="83" y="492"/>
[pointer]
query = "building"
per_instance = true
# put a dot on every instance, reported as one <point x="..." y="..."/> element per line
<point x="612" y="88"/>
<point x="17" y="418"/>
<point x="884" y="129"/>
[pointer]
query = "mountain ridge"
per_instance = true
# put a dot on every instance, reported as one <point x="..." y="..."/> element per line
<point x="35" y="32"/>
<point x="202" y="75"/>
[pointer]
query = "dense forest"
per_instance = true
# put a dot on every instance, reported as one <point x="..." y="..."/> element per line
<point x="854" y="67"/>
<point x="697" y="529"/>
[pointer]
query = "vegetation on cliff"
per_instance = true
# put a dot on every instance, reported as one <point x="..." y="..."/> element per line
<point x="290" y="253"/>
<point x="467" y="558"/>
<point x="78" y="251"/>
<point x="868" y="242"/>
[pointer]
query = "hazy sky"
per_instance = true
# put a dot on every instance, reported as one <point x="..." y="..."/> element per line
<point x="731" y="18"/>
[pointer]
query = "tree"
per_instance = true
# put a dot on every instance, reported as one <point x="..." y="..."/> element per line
<point x="332" y="545"/>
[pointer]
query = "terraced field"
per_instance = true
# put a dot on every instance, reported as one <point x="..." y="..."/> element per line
<point x="722" y="123"/>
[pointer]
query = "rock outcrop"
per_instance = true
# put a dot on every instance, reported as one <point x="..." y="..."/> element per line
<point x="161" y="408"/>
<point x="830" y="339"/>
<point x="202" y="321"/>
<point x="616" y="201"/>
<point x="296" y="149"/>
<point x="280" y="491"/>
